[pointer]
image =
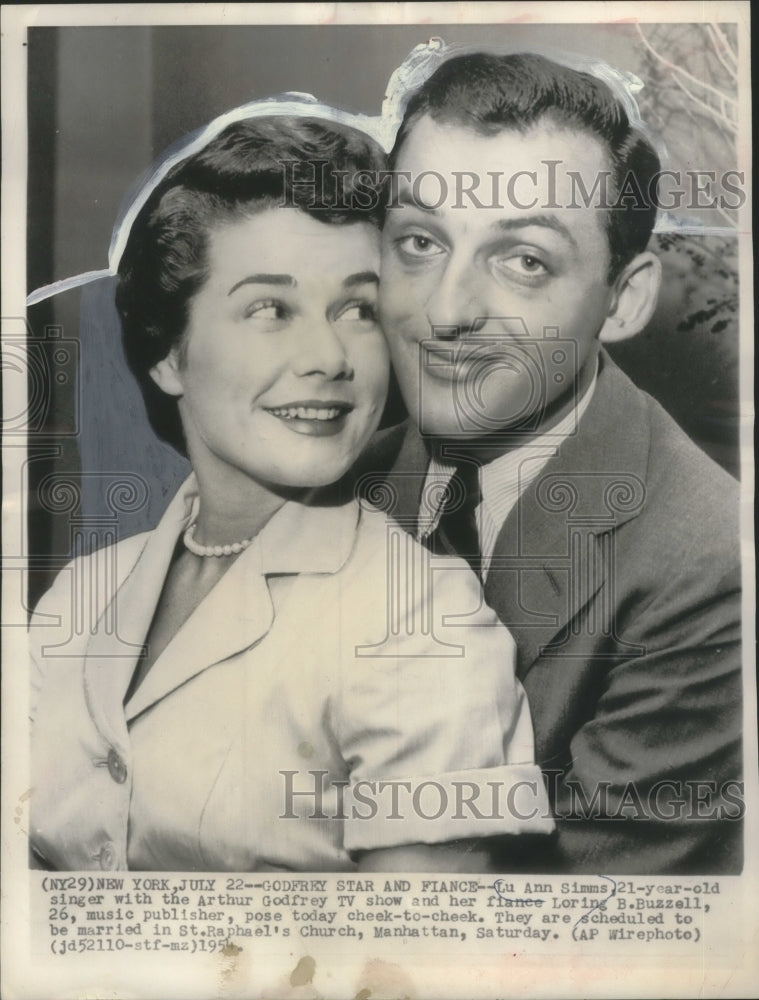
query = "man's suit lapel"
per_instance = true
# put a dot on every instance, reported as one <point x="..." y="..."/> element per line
<point x="555" y="551"/>
<point x="531" y="583"/>
<point x="400" y="493"/>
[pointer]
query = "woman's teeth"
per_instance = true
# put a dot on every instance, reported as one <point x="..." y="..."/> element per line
<point x="307" y="413"/>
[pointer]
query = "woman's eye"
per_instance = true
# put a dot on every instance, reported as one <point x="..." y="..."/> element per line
<point x="419" y="245"/>
<point x="359" y="312"/>
<point x="268" y="309"/>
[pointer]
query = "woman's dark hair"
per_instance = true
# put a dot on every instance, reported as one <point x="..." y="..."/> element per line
<point x="327" y="170"/>
<point x="490" y="93"/>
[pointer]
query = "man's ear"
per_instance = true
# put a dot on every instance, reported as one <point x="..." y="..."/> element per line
<point x="167" y="374"/>
<point x="636" y="291"/>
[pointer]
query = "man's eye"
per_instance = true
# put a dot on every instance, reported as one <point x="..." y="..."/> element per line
<point x="358" y="312"/>
<point x="525" y="265"/>
<point x="419" y="245"/>
<point x="265" y="309"/>
<point x="530" y="263"/>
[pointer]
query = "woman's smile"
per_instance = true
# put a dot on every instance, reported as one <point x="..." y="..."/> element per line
<point x="313" y="417"/>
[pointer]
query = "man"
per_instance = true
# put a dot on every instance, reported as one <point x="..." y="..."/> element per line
<point x="515" y="243"/>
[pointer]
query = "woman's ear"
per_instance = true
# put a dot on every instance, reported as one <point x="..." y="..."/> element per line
<point x="636" y="293"/>
<point x="167" y="374"/>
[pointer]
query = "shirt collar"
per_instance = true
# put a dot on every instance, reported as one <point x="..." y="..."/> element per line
<point x="505" y="478"/>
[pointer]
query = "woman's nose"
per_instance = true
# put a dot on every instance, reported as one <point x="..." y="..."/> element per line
<point x="321" y="351"/>
<point x="455" y="305"/>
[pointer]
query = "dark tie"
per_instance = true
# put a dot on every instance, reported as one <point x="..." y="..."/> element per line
<point x="456" y="533"/>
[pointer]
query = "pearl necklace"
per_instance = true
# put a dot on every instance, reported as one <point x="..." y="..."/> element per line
<point x="212" y="550"/>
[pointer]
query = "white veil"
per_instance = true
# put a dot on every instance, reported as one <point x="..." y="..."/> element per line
<point x="416" y="68"/>
<point x="115" y="442"/>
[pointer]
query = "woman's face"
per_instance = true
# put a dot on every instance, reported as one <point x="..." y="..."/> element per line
<point x="283" y="370"/>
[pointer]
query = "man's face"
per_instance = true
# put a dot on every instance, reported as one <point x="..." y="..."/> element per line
<point x="492" y="312"/>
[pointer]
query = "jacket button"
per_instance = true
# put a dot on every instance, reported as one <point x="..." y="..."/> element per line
<point x="116" y="767"/>
<point x="107" y="857"/>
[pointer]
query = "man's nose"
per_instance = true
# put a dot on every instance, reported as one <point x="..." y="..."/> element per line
<point x="321" y="351"/>
<point x="456" y="306"/>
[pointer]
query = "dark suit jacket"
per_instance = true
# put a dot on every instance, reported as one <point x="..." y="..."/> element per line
<point x="618" y="573"/>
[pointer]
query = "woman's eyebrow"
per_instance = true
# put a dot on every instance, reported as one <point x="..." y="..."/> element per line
<point x="265" y="279"/>
<point x="361" y="278"/>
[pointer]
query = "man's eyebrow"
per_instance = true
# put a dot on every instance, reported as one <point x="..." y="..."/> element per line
<point x="265" y="279"/>
<point x="546" y="221"/>
<point x="361" y="278"/>
<point x="408" y="199"/>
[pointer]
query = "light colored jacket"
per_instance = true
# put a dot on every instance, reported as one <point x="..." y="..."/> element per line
<point x="331" y="654"/>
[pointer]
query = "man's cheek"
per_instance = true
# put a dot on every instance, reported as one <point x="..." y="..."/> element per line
<point x="399" y="329"/>
<point x="401" y="302"/>
<point x="404" y="357"/>
<point x="391" y="296"/>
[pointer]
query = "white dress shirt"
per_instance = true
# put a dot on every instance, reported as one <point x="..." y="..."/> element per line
<point x="502" y="481"/>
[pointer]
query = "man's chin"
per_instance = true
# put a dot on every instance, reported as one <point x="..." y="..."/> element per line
<point x="456" y="423"/>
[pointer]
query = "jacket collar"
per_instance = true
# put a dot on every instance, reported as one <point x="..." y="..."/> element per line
<point x="236" y="614"/>
<point x="400" y="494"/>
<point x="553" y="551"/>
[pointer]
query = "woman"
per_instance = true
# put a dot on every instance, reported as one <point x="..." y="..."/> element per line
<point x="259" y="671"/>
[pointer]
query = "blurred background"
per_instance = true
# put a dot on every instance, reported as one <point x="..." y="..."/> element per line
<point x="104" y="102"/>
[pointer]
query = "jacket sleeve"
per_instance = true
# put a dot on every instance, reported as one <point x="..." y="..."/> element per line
<point x="435" y="708"/>
<point x="51" y="624"/>
<point x="662" y="751"/>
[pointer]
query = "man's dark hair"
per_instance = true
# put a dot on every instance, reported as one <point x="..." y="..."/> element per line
<point x="321" y="168"/>
<point x="490" y="93"/>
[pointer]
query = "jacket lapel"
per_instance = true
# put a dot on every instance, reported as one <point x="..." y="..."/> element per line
<point x="555" y="551"/>
<point x="238" y="612"/>
<point x="397" y="471"/>
<point x="234" y="615"/>
<point x="543" y="572"/>
<point x="118" y="637"/>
